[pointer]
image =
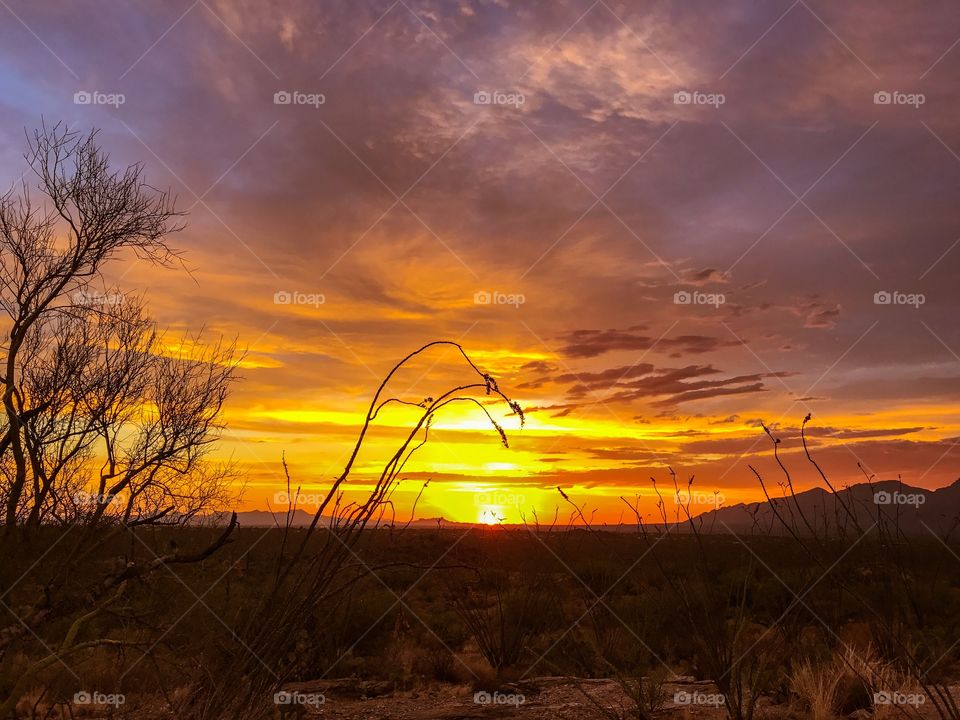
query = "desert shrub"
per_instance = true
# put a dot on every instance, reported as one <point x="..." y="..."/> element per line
<point x="501" y="620"/>
<point x="434" y="662"/>
<point x="816" y="688"/>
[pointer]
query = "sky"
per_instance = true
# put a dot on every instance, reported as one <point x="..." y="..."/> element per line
<point x="656" y="224"/>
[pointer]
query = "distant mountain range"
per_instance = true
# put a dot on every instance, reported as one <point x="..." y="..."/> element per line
<point x="914" y="509"/>
<point x="301" y="518"/>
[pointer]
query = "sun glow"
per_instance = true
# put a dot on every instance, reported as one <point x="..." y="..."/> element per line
<point x="594" y="456"/>
<point x="490" y="515"/>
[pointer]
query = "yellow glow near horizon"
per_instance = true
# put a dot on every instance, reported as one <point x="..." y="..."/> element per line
<point x="596" y="456"/>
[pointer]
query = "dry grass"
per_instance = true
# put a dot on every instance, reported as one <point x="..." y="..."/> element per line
<point x="877" y="674"/>
<point x="816" y="686"/>
<point x="823" y="689"/>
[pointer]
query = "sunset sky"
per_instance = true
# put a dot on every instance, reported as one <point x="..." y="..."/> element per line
<point x="585" y="166"/>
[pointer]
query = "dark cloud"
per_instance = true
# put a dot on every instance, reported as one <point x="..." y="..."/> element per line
<point x="851" y="433"/>
<point x="626" y="454"/>
<point x="705" y="276"/>
<point x="817" y="313"/>
<point x="591" y="343"/>
<point x="661" y="386"/>
<point x="605" y="379"/>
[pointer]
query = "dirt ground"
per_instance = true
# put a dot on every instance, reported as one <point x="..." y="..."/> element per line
<point x="546" y="698"/>
<point x="536" y="699"/>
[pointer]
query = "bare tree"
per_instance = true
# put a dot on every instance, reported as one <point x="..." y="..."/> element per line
<point x="86" y="377"/>
<point x="106" y="421"/>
